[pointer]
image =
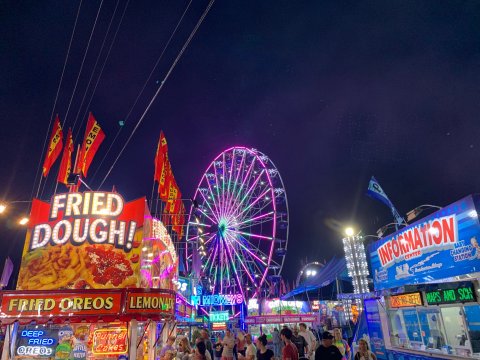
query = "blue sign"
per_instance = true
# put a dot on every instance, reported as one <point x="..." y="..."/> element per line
<point x="441" y="245"/>
<point x="34" y="342"/>
<point x="374" y="322"/>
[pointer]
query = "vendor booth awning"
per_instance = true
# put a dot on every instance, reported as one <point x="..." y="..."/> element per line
<point x="334" y="269"/>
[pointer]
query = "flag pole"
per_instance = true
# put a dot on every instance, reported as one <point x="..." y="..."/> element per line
<point x="70" y="187"/>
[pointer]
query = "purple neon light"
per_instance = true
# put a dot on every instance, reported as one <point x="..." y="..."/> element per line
<point x="236" y="273"/>
<point x="229" y="207"/>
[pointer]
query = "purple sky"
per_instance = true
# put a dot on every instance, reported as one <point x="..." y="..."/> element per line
<point x="333" y="91"/>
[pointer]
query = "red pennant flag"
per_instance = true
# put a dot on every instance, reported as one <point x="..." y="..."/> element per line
<point x="160" y="157"/>
<point x="66" y="163"/>
<point x="54" y="147"/>
<point x="94" y="136"/>
<point x="179" y="220"/>
<point x="166" y="181"/>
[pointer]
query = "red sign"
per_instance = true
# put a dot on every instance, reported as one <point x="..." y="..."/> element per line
<point x="68" y="304"/>
<point x="157" y="302"/>
<point x="406" y="300"/>
<point x="110" y="341"/>
<point x="219" y="326"/>
<point x="68" y="237"/>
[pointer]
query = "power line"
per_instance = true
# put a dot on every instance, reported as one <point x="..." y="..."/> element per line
<point x="141" y="91"/>
<point x="106" y="58"/>
<point x="54" y="105"/>
<point x="95" y="67"/>
<point x="83" y="62"/>
<point x="192" y="34"/>
<point x="78" y="78"/>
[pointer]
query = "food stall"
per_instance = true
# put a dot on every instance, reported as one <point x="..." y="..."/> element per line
<point x="95" y="282"/>
<point x="426" y="278"/>
<point x="263" y="317"/>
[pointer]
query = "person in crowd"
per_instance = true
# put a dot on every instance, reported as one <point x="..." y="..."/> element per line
<point x="326" y="350"/>
<point x="299" y="342"/>
<point x="250" y="350"/>
<point x="184" y="351"/>
<point x="228" y="344"/>
<point x="168" y="355"/>
<point x="241" y="343"/>
<point x="341" y="344"/>
<point x="263" y="353"/>
<point x="208" y="343"/>
<point x="309" y="338"/>
<point x="168" y="346"/>
<point x="289" y="351"/>
<point x="364" y="352"/>
<point x="217" y="351"/>
<point x="201" y="351"/>
<point x="276" y="342"/>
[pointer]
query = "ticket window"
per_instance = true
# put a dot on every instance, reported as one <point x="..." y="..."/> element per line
<point x="472" y="320"/>
<point x="456" y="330"/>
<point x="405" y="328"/>
<point x="433" y="328"/>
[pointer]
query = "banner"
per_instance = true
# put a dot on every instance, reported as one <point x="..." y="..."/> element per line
<point x="160" y="158"/>
<point x="45" y="305"/>
<point x="54" y="147"/>
<point x="66" y="163"/>
<point x="150" y="302"/>
<point x="83" y="240"/>
<point x="439" y="246"/>
<point x="375" y="191"/>
<point x="55" y="304"/>
<point x="94" y="136"/>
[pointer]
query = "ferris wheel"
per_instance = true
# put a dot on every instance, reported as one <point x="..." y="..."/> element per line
<point x="238" y="224"/>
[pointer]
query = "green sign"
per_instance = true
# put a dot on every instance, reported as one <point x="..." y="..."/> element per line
<point x="219" y="316"/>
<point x="449" y="296"/>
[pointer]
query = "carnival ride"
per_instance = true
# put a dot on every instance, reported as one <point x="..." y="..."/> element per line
<point x="237" y="232"/>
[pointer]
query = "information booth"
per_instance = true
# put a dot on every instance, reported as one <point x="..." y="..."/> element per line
<point x="96" y="282"/>
<point x="426" y="276"/>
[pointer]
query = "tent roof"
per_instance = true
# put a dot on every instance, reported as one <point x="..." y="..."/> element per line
<point x="334" y="269"/>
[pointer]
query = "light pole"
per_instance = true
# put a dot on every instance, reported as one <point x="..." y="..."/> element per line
<point x="412" y="214"/>
<point x="384" y="228"/>
<point x="356" y="260"/>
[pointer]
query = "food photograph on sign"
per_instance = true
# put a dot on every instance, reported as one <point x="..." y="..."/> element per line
<point x="89" y="240"/>
<point x="74" y="341"/>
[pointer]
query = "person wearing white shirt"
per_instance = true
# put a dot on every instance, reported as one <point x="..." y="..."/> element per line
<point x="251" y="350"/>
<point x="309" y="338"/>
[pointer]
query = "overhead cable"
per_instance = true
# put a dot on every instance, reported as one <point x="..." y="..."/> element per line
<point x="192" y="34"/>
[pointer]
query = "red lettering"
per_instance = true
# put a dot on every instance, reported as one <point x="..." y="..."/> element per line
<point x="418" y="239"/>
<point x="403" y="244"/>
<point x="389" y="248"/>
<point x="448" y="226"/>
<point x="436" y="232"/>
<point x="408" y="236"/>
<point x="396" y="248"/>
<point x="383" y="254"/>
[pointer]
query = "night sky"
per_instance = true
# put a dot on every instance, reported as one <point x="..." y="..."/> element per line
<point x="332" y="91"/>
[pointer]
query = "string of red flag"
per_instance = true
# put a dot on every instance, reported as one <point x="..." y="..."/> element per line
<point x="168" y="190"/>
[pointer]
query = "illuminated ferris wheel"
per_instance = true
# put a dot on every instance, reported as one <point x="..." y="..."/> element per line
<point x="238" y="224"/>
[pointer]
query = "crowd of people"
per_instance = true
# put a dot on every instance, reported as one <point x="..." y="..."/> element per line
<point x="298" y="343"/>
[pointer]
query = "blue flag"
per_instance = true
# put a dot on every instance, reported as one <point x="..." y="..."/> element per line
<point x="376" y="192"/>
